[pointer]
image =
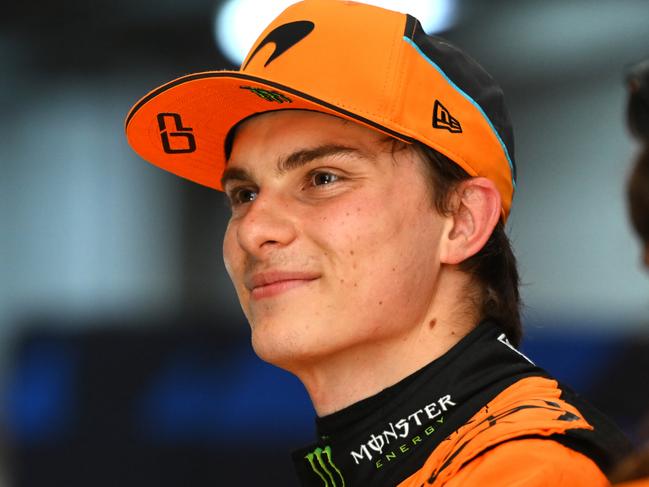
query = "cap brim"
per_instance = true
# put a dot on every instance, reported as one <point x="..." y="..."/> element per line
<point x="182" y="126"/>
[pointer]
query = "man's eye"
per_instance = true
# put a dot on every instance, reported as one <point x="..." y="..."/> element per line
<point x="322" y="178"/>
<point x="242" y="195"/>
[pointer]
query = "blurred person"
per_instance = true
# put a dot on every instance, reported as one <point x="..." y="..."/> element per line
<point x="638" y="184"/>
<point x="634" y="470"/>
<point x="370" y="172"/>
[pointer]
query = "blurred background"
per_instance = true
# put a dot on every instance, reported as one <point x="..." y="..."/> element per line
<point x="124" y="357"/>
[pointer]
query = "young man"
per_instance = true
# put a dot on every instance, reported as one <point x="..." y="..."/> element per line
<point x="370" y="172"/>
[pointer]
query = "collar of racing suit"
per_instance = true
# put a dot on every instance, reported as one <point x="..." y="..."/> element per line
<point x="382" y="440"/>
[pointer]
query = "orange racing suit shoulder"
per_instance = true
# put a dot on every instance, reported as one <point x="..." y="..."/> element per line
<point x="519" y="429"/>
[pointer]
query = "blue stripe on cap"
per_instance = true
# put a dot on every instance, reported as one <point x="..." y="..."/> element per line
<point x="475" y="104"/>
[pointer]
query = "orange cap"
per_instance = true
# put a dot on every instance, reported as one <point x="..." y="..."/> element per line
<point x="363" y="63"/>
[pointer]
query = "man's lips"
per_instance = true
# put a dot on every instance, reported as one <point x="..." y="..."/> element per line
<point x="271" y="283"/>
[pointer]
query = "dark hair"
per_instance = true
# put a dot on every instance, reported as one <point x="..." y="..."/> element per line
<point x="638" y="195"/>
<point x="494" y="267"/>
<point x="638" y="122"/>
<point x="637" y="108"/>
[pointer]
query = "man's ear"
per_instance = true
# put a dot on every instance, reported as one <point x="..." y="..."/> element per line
<point x="476" y="210"/>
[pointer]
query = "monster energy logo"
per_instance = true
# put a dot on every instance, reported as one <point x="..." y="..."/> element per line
<point x="267" y="95"/>
<point x="323" y="465"/>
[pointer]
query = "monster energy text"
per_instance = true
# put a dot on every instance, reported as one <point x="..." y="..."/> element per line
<point x="402" y="429"/>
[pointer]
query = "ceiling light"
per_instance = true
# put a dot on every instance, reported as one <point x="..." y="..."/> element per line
<point x="238" y="23"/>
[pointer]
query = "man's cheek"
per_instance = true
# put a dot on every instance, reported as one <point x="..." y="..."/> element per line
<point x="228" y="250"/>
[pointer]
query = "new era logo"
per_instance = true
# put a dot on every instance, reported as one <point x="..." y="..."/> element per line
<point x="442" y="119"/>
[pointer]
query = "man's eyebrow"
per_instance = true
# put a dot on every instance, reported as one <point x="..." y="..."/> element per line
<point x="236" y="174"/>
<point x="302" y="157"/>
<point x="294" y="160"/>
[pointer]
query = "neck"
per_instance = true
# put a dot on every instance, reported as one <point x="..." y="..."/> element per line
<point x="351" y="375"/>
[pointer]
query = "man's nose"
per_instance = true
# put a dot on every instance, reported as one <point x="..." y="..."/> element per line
<point x="268" y="224"/>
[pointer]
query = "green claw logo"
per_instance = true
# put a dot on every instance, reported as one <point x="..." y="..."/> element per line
<point x="272" y="96"/>
<point x="322" y="463"/>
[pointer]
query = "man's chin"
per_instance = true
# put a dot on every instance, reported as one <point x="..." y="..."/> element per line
<point x="283" y="348"/>
<point x="271" y="345"/>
